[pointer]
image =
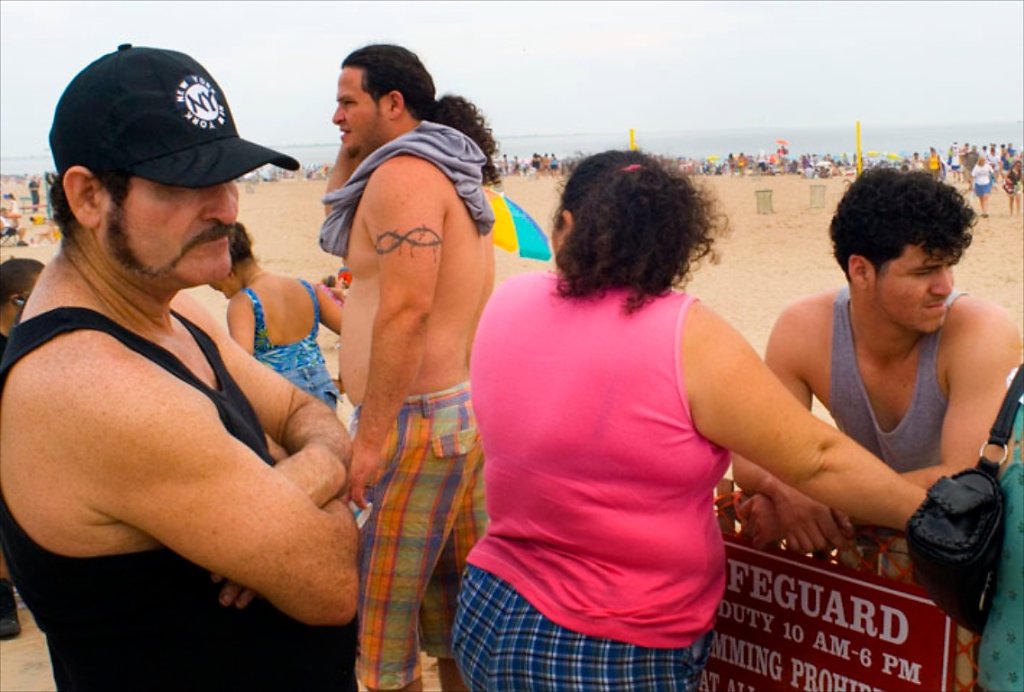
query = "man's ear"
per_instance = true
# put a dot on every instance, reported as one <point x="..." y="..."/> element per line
<point x="393" y="104"/>
<point x="87" y="198"/>
<point x="860" y="269"/>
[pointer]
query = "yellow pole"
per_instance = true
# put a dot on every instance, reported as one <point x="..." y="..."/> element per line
<point x="860" y="158"/>
<point x="632" y="139"/>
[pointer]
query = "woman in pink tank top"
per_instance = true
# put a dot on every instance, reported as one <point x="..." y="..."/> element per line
<point x="607" y="401"/>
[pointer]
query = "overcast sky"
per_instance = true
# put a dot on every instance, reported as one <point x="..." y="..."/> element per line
<point x="549" y="68"/>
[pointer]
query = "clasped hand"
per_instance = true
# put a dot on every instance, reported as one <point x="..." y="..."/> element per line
<point x="805" y="524"/>
<point x="233" y="593"/>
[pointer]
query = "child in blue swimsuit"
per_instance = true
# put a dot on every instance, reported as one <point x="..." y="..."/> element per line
<point x="277" y="319"/>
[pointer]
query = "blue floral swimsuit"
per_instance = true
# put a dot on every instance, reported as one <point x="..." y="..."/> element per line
<point x="301" y="362"/>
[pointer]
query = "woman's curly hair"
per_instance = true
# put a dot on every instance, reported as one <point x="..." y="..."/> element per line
<point x="886" y="210"/>
<point x="636" y="225"/>
<point x="464" y="116"/>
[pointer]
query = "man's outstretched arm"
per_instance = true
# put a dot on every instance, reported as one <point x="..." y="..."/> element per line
<point x="778" y="511"/>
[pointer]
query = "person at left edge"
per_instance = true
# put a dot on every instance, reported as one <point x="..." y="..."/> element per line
<point x="17" y="277"/>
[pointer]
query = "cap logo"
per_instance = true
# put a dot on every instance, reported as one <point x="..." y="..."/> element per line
<point x="197" y="101"/>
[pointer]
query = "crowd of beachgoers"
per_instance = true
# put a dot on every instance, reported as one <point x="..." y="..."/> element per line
<point x="954" y="164"/>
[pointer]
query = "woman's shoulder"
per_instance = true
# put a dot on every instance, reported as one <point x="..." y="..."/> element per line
<point x="521" y="292"/>
<point x="527" y="281"/>
<point x="286" y="288"/>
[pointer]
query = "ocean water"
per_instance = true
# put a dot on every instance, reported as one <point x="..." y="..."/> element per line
<point x="690" y="143"/>
<point x="703" y="143"/>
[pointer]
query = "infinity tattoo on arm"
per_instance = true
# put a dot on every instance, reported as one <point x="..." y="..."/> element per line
<point x="419" y="237"/>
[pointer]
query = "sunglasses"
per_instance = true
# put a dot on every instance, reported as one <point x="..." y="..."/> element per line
<point x="19" y="300"/>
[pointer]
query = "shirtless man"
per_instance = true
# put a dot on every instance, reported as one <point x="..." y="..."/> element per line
<point x="908" y="367"/>
<point x="414" y="225"/>
<point x="135" y="462"/>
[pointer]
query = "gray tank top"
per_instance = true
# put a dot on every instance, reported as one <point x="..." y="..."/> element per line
<point x="915" y="441"/>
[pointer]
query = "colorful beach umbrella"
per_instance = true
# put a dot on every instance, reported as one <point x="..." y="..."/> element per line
<point x="514" y="229"/>
<point x="714" y="157"/>
<point x="783" y="142"/>
<point x="892" y="156"/>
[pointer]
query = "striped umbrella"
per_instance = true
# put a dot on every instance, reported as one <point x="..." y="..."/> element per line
<point x="514" y="229"/>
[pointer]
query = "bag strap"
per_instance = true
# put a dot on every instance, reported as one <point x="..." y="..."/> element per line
<point x="1003" y="427"/>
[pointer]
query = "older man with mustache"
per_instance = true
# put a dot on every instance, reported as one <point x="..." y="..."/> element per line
<point x="134" y="446"/>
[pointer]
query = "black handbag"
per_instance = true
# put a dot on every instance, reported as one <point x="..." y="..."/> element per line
<point x="956" y="536"/>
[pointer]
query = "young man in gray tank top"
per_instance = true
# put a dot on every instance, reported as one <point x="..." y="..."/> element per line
<point x="908" y="367"/>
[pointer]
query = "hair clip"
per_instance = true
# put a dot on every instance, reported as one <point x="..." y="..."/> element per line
<point x="632" y="167"/>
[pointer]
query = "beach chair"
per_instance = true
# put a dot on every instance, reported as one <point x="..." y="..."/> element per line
<point x="10" y="229"/>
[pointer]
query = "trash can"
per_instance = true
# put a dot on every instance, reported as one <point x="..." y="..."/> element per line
<point x="817" y="196"/>
<point x="764" y="201"/>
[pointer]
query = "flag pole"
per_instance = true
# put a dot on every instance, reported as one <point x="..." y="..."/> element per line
<point x="860" y="157"/>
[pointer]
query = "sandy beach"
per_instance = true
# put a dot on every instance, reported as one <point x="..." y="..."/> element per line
<point x="765" y="262"/>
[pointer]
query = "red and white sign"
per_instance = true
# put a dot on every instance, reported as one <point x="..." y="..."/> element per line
<point x="791" y="622"/>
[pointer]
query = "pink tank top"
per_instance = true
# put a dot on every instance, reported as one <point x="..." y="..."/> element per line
<point x="599" y="488"/>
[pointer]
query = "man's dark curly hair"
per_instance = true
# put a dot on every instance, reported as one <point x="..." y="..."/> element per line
<point x="114" y="182"/>
<point x="388" y="68"/>
<point x="637" y="224"/>
<point x="886" y="210"/>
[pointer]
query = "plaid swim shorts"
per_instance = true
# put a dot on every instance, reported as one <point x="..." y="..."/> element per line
<point x="428" y="512"/>
<point x="504" y="644"/>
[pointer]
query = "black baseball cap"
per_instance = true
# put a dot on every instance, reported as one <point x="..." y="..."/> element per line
<point x="156" y="114"/>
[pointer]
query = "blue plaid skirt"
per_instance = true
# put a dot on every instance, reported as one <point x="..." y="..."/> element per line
<point x="501" y="642"/>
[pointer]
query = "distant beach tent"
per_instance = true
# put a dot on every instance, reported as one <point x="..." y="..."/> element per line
<point x="514" y="229"/>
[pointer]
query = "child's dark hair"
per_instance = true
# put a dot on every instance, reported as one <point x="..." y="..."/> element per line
<point x="17" y="276"/>
<point x="241" y="244"/>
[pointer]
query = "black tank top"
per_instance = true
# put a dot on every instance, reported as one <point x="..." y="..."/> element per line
<point x="151" y="620"/>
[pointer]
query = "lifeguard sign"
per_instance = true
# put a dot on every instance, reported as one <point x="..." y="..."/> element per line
<point x="790" y="622"/>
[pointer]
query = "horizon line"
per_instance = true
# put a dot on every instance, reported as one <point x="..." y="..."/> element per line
<point x="607" y="133"/>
